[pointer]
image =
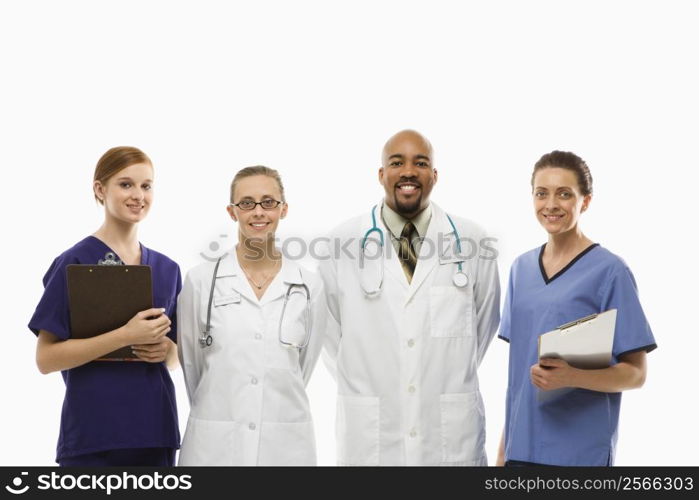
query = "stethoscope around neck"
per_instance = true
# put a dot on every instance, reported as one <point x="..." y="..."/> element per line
<point x="205" y="339"/>
<point x="459" y="279"/>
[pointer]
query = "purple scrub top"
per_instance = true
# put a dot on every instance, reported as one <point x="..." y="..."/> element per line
<point x="112" y="405"/>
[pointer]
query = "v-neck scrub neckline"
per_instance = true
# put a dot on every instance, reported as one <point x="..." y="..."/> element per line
<point x="144" y="251"/>
<point x="577" y="427"/>
<point x="570" y="264"/>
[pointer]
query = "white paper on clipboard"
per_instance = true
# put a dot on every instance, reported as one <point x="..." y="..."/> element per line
<point x="585" y="343"/>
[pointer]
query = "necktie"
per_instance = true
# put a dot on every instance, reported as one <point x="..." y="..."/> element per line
<point x="406" y="251"/>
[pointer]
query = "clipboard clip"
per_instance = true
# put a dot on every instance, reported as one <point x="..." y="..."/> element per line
<point x="110" y="259"/>
<point x="577" y="322"/>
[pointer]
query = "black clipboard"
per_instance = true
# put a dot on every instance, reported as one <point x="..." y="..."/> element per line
<point x="104" y="298"/>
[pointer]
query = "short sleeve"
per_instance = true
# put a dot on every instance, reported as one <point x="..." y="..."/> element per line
<point x="172" y="311"/>
<point x="632" y="331"/>
<point x="506" y="319"/>
<point x="53" y="313"/>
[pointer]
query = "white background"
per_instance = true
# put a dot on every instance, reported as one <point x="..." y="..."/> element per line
<point x="313" y="89"/>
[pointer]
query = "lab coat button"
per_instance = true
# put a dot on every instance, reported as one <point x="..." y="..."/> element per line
<point x="413" y="433"/>
<point x="258" y="336"/>
<point x="411" y="343"/>
<point x="253" y="381"/>
<point x="411" y="389"/>
<point x="252" y="426"/>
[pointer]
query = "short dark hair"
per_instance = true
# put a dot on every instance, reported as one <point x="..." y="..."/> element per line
<point x="569" y="161"/>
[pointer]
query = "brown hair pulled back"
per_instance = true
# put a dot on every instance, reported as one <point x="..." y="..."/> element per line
<point x="568" y="161"/>
<point x="117" y="159"/>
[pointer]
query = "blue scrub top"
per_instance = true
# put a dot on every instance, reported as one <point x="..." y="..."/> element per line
<point x="112" y="405"/>
<point x="578" y="427"/>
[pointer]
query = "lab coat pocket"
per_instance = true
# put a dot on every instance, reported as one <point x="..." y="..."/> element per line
<point x="211" y="442"/>
<point x="357" y="428"/>
<point x="463" y="429"/>
<point x="280" y="356"/>
<point x="224" y="300"/>
<point x="287" y="443"/>
<point x="450" y="311"/>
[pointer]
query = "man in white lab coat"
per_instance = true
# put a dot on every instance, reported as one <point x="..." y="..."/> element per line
<point x="411" y="321"/>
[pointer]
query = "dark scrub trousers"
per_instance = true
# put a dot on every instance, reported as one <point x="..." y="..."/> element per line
<point x="152" y="457"/>
<point x="113" y="412"/>
<point x="577" y="427"/>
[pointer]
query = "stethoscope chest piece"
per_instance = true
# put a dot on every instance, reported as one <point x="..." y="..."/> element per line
<point x="460" y="279"/>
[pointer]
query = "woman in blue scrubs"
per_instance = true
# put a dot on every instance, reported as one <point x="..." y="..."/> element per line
<point x="114" y="413"/>
<point x="567" y="278"/>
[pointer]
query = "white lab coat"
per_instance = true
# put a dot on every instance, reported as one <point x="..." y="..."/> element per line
<point x="406" y="361"/>
<point x="247" y="390"/>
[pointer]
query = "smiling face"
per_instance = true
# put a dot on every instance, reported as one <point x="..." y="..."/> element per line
<point x="128" y="194"/>
<point x="407" y="174"/>
<point x="558" y="200"/>
<point x="258" y="223"/>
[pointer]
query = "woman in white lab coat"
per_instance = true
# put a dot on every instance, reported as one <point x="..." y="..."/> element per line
<point x="246" y="373"/>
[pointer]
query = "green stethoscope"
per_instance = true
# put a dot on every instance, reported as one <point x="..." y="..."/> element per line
<point x="460" y="279"/>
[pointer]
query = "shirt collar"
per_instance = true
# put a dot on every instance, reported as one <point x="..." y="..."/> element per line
<point x="395" y="222"/>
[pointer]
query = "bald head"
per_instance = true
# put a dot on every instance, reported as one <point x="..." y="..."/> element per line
<point x="412" y="136"/>
<point x="406" y="173"/>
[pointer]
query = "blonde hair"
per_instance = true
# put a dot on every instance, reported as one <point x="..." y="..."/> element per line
<point x="257" y="170"/>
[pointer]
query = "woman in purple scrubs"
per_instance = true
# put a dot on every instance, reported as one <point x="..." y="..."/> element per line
<point x="567" y="278"/>
<point x="114" y="413"/>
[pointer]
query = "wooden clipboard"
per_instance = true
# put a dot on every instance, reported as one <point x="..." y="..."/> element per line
<point x="104" y="298"/>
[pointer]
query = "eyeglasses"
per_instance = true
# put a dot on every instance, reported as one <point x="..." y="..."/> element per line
<point x="267" y="204"/>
